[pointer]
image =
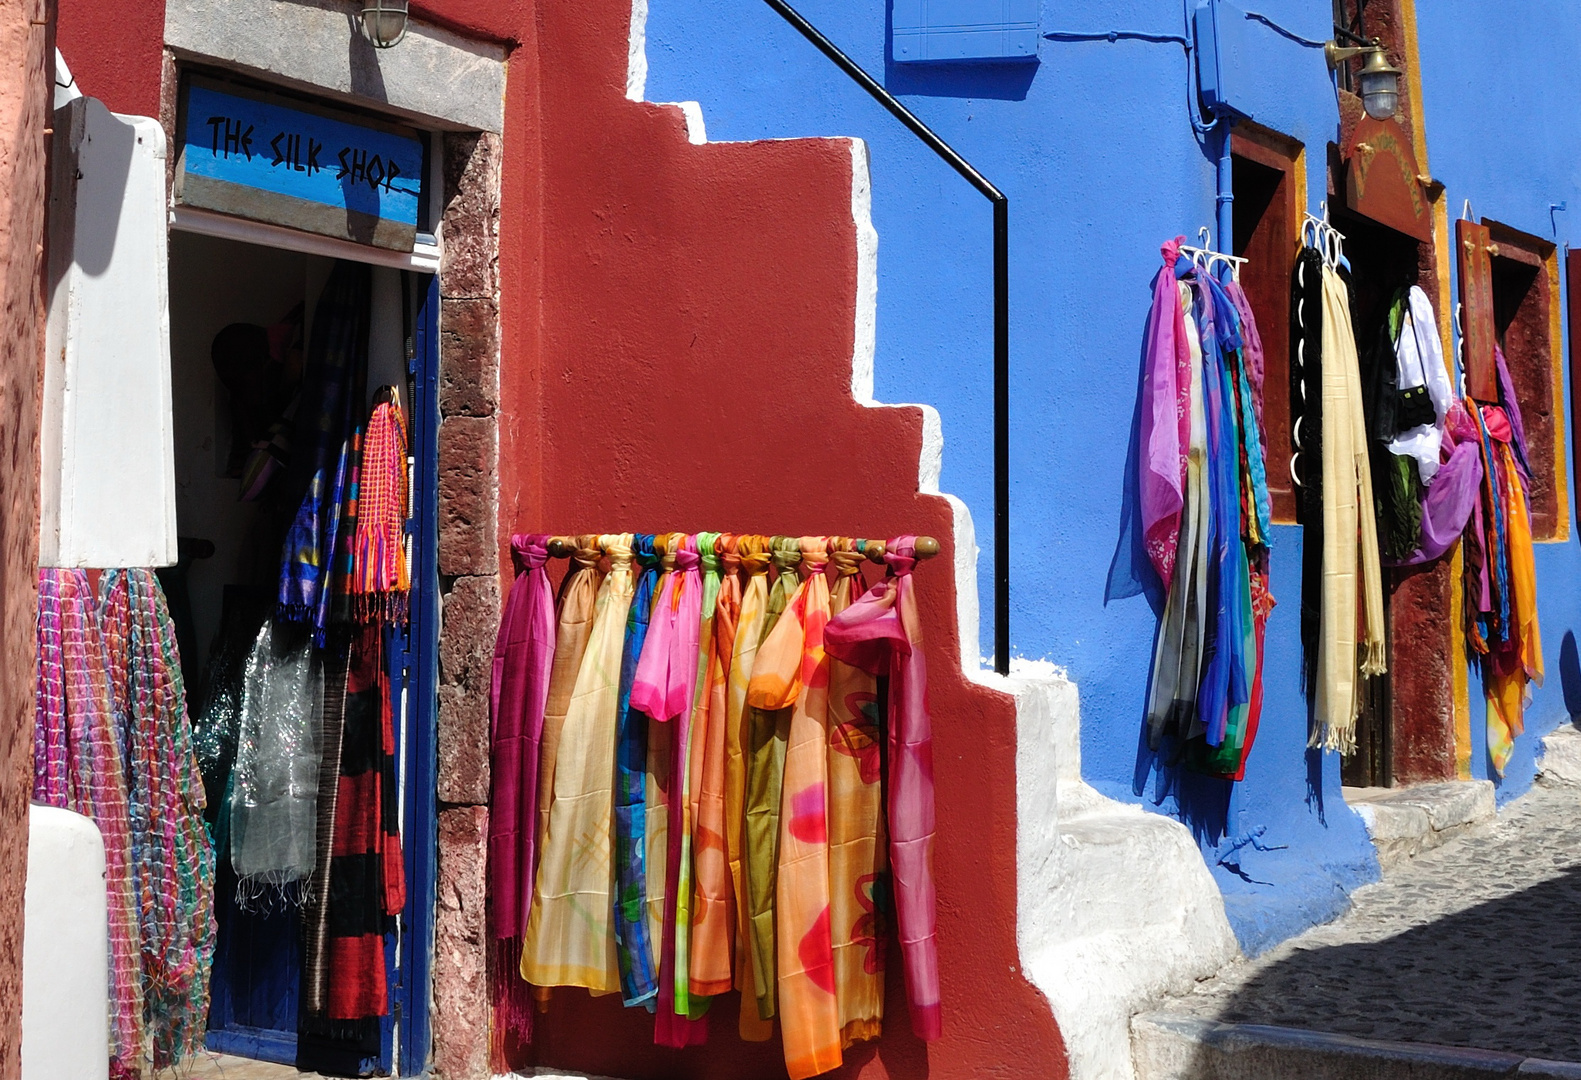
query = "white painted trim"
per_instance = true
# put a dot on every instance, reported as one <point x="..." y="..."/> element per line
<point x="696" y="131"/>
<point x="424" y="258"/>
<point x="637" y="52"/>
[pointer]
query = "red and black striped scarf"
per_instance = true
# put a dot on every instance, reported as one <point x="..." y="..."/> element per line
<point x="361" y="884"/>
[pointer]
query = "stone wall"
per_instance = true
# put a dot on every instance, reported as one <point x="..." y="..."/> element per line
<point x="27" y="44"/>
<point x="469" y="571"/>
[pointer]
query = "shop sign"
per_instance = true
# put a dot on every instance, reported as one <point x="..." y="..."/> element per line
<point x="269" y="158"/>
<point x="1382" y="181"/>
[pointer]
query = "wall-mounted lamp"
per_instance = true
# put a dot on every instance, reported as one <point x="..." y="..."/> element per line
<point x="1379" y="82"/>
<point x="384" y="22"/>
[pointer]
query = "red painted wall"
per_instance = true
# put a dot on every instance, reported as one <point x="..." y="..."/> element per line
<point x="677" y="341"/>
<point x="115" y="51"/>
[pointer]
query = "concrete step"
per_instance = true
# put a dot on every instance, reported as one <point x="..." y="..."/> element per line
<point x="1171" y="1047"/>
<point x="1404" y="822"/>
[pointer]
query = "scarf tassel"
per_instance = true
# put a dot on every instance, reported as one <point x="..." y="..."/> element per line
<point x="511" y="1019"/>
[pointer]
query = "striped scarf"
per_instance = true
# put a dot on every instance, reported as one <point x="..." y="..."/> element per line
<point x="334" y="388"/>
<point x="378" y="573"/>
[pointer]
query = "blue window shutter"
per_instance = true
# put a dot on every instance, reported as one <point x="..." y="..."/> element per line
<point x="946" y="30"/>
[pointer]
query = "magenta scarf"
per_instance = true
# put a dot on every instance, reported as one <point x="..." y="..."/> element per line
<point x="665" y="683"/>
<point x="523" y="656"/>
<point x="881" y="634"/>
<point x="1166" y="418"/>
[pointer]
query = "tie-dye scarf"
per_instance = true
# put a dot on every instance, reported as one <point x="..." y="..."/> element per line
<point x="792" y="673"/>
<point x="713" y="906"/>
<point x="664" y="689"/>
<point x="858" y="866"/>
<point x="881" y="633"/>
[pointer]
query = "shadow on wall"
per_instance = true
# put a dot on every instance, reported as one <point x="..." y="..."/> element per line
<point x="1570" y="675"/>
<point x="1508" y="963"/>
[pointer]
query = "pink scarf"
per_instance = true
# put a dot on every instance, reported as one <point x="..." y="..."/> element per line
<point x="880" y="633"/>
<point x="1166" y="418"/>
<point x="518" y="694"/>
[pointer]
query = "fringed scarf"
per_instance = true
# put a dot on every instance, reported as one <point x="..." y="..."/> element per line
<point x="379" y="579"/>
<point x="881" y="633"/>
<point x="1353" y="644"/>
<point x="518" y="694"/>
<point x="275" y="781"/>
<point x="334" y="389"/>
<point x="76" y="701"/>
<point x="171" y="851"/>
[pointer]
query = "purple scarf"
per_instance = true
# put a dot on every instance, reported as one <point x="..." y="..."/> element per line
<point x="518" y="694"/>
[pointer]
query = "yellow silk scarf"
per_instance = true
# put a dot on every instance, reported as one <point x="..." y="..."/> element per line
<point x="570" y="940"/>
<point x="1350" y="536"/>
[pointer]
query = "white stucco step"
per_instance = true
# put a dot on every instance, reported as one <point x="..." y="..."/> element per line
<point x="1561" y="761"/>
<point x="1404" y="822"/>
<point x="1169" y="1047"/>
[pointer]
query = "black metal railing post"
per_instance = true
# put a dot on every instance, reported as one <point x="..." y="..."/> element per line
<point x="1002" y="435"/>
<point x="1001" y="310"/>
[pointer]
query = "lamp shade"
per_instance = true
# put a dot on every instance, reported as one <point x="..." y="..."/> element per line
<point x="384" y="22"/>
<point x="1380" y="86"/>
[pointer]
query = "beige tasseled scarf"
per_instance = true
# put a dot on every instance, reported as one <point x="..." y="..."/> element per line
<point x="1352" y="633"/>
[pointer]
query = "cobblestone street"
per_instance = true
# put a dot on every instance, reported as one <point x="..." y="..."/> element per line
<point x="1475" y="944"/>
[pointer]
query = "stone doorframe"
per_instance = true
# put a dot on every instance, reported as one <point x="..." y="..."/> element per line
<point x="435" y="79"/>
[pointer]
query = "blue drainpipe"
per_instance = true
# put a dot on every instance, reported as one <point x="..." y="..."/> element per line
<point x="1226" y="197"/>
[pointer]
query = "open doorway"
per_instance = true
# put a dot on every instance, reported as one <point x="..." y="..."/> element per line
<point x="312" y="750"/>
<point x="1384" y="264"/>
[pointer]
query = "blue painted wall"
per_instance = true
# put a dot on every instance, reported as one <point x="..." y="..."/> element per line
<point x="1094" y="146"/>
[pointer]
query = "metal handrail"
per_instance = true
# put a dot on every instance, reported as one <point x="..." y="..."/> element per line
<point x="1001" y="310"/>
